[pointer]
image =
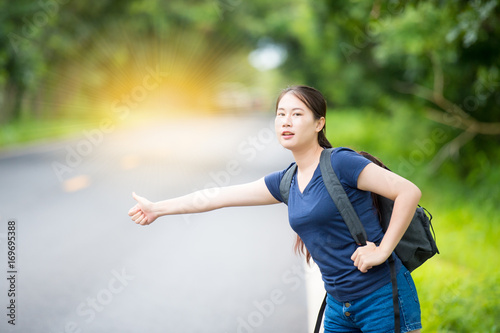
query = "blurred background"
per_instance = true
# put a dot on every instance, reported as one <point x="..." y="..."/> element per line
<point x="166" y="97"/>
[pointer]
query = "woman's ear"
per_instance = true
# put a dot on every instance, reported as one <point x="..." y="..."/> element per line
<point x="320" y="124"/>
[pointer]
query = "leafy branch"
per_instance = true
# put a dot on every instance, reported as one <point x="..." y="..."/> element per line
<point x="448" y="113"/>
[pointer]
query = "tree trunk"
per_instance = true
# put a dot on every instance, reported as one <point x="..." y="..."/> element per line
<point x="12" y="104"/>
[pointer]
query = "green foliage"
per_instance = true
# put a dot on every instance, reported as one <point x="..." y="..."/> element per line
<point x="24" y="132"/>
<point x="459" y="289"/>
<point x="435" y="56"/>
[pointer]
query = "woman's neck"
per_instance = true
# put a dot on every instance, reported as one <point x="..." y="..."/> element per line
<point x="307" y="158"/>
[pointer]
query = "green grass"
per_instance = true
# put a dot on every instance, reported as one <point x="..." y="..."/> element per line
<point x="459" y="289"/>
<point x="23" y="132"/>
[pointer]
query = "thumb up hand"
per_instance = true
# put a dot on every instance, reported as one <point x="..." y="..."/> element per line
<point x="143" y="212"/>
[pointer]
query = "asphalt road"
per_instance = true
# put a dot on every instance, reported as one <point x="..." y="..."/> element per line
<point x="81" y="265"/>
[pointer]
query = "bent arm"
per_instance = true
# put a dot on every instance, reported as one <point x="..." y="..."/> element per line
<point x="405" y="194"/>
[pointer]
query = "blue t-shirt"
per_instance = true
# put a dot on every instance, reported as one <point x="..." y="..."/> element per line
<point x="315" y="218"/>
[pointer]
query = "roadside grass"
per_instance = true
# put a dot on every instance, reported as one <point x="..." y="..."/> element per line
<point x="28" y="131"/>
<point x="459" y="289"/>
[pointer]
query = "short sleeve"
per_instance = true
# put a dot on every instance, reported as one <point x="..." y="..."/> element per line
<point x="348" y="164"/>
<point x="273" y="181"/>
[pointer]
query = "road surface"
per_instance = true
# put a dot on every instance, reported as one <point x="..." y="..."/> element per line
<point x="81" y="265"/>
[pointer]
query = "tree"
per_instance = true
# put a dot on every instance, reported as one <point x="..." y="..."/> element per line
<point x="440" y="57"/>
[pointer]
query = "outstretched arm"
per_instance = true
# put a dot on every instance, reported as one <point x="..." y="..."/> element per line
<point x="405" y="195"/>
<point x="249" y="194"/>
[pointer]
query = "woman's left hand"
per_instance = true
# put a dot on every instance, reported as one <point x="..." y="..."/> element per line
<point x="365" y="257"/>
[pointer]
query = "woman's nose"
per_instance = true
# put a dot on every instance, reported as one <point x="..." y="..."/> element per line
<point x="287" y="121"/>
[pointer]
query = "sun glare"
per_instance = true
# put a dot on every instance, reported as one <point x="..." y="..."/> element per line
<point x="121" y="77"/>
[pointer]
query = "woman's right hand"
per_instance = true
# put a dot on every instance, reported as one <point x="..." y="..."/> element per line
<point x="142" y="213"/>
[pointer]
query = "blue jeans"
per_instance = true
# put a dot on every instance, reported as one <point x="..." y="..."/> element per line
<point x="375" y="312"/>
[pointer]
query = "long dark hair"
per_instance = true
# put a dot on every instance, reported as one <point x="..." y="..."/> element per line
<point x="315" y="102"/>
<point x="375" y="198"/>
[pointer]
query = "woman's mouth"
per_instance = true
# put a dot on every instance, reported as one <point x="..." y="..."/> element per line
<point x="287" y="135"/>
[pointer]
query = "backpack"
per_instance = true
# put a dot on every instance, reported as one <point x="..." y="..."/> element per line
<point x="416" y="246"/>
<point x="418" y="243"/>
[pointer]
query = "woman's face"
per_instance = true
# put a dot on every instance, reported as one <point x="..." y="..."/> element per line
<point x="295" y="124"/>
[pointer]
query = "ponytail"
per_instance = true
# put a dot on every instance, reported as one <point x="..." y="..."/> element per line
<point x="322" y="140"/>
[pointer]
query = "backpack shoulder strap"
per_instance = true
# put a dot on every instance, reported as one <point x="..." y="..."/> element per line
<point x="286" y="181"/>
<point x="339" y="197"/>
<point x="355" y="226"/>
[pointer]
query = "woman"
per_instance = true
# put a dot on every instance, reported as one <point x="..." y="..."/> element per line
<point x="357" y="278"/>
